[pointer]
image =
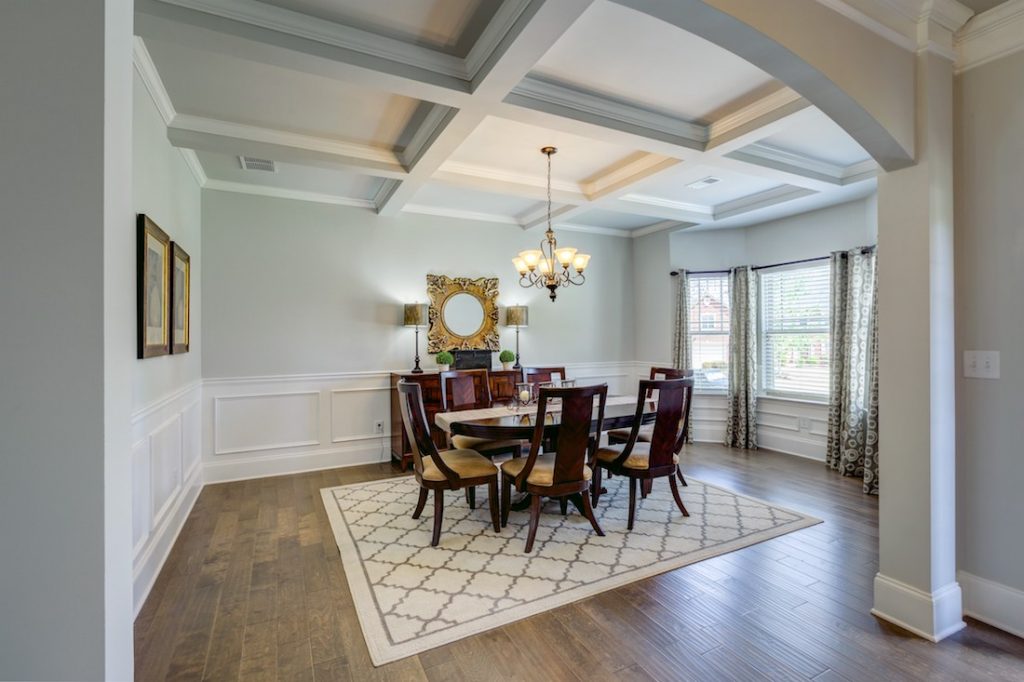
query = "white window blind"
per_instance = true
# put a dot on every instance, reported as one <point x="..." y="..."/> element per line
<point x="709" y="331"/>
<point x="795" y="330"/>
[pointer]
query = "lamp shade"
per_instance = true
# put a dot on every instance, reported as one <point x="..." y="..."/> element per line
<point x="517" y="316"/>
<point x="416" y="314"/>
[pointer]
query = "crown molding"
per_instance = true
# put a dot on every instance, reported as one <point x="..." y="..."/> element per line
<point x="589" y="105"/>
<point x="635" y="168"/>
<point x="770" y="197"/>
<point x="430" y="127"/>
<point x="509" y="177"/>
<point x="784" y="160"/>
<point x="656" y="227"/>
<point x="751" y="113"/>
<point x="196" y="168"/>
<point x="283" y="193"/>
<point x="460" y="214"/>
<point x="876" y="26"/>
<point x="593" y="229"/>
<point x="697" y="210"/>
<point x="990" y="35"/>
<point x="329" y="33"/>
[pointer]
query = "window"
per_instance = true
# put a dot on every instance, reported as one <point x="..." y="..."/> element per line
<point x="795" y="331"/>
<point x="709" y="331"/>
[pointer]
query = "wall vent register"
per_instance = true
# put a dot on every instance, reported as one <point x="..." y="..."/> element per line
<point x="251" y="164"/>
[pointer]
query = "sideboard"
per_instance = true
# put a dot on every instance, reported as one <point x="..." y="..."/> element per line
<point x="502" y="385"/>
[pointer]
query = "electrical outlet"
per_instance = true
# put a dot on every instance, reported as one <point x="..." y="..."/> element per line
<point x="378" y="426"/>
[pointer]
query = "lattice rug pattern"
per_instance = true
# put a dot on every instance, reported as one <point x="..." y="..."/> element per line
<point x="411" y="597"/>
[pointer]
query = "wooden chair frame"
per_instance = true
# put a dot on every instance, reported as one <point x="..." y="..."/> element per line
<point x="575" y="446"/>
<point x="414" y="419"/>
<point x="671" y="428"/>
<point x="541" y="375"/>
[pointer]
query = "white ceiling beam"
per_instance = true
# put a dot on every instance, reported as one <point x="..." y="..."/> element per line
<point x="755" y="121"/>
<point x="245" y="33"/>
<point x="213" y="135"/>
<point x="532" y="34"/>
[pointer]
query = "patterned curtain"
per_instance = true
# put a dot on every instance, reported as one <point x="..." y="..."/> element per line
<point x="681" y="356"/>
<point x="853" y="396"/>
<point x="681" y="333"/>
<point x="741" y="426"/>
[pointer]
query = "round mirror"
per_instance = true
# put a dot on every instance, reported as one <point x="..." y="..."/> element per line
<point x="463" y="314"/>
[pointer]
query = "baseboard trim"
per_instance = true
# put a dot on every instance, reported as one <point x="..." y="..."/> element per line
<point x="998" y="605"/>
<point x="150" y="560"/>
<point x="265" y="466"/>
<point x="932" y="616"/>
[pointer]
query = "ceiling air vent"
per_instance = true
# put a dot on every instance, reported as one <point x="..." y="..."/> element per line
<point x="249" y="163"/>
<point x="704" y="182"/>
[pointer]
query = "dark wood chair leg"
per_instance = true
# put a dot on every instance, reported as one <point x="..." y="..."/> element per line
<point x="563" y="505"/>
<point x="420" y="503"/>
<point x="588" y="511"/>
<point x="438" y="516"/>
<point x="471" y="496"/>
<point x="534" y="520"/>
<point x="645" y="488"/>
<point x="492" y="501"/>
<point x="506" y="498"/>
<point x="679" y="473"/>
<point x="595" y="487"/>
<point x="675" y="494"/>
<point x="632" y="502"/>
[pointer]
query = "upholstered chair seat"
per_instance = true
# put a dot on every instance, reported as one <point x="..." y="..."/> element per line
<point x="639" y="457"/>
<point x="465" y="464"/>
<point x="543" y="472"/>
<point x="622" y="435"/>
<point x="484" y="445"/>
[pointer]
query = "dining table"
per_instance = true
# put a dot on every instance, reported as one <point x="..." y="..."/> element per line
<point x="519" y="422"/>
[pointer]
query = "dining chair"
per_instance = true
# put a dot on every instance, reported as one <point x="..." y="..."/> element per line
<point x="621" y="436"/>
<point x="565" y="473"/>
<point x="641" y="462"/>
<point x="459" y="392"/>
<point x="543" y="375"/>
<point x="442" y="470"/>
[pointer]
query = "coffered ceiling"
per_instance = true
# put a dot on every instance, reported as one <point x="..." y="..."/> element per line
<point x="442" y="106"/>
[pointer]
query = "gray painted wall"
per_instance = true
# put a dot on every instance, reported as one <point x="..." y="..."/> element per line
<point x="989" y="316"/>
<point x="66" y="305"/>
<point x="165" y="190"/>
<point x="293" y="287"/>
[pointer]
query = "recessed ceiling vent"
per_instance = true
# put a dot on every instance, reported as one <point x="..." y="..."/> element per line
<point x="249" y="163"/>
<point x="704" y="182"/>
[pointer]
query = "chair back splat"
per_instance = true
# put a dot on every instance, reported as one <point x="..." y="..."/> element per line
<point x="578" y="432"/>
<point x="543" y="375"/>
<point x="672" y="422"/>
<point x="417" y="430"/>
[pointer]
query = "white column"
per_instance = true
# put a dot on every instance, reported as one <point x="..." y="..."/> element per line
<point x="66" y="350"/>
<point x="916" y="583"/>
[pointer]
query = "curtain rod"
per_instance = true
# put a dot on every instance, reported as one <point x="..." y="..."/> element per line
<point x="764" y="267"/>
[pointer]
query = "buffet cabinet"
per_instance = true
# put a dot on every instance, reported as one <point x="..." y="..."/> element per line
<point x="502" y="384"/>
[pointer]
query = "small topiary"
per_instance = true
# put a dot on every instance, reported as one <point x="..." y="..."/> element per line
<point x="444" y="358"/>
<point x="507" y="356"/>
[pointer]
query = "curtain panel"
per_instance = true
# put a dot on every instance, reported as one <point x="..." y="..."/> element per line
<point x="853" y="397"/>
<point x="741" y="424"/>
<point x="681" y="354"/>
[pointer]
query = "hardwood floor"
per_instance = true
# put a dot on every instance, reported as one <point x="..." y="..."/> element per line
<point x="254" y="589"/>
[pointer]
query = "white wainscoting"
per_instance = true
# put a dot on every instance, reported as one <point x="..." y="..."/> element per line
<point x="269" y="426"/>
<point x="790" y="426"/>
<point x="166" y="479"/>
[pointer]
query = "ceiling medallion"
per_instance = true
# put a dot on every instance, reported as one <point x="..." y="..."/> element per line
<point x="551" y="266"/>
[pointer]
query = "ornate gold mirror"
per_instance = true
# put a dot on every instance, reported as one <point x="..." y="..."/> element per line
<point x="463" y="313"/>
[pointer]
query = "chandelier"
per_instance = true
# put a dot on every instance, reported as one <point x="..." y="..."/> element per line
<point x="550" y="266"/>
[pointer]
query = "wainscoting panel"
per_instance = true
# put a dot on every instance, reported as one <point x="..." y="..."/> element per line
<point x="269" y="426"/>
<point x="266" y="421"/>
<point x="166" y="479"/>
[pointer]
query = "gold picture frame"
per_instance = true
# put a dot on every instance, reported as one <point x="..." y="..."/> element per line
<point x="153" y="279"/>
<point x="181" y="298"/>
<point x="444" y="293"/>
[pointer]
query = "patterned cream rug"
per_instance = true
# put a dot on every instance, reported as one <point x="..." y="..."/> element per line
<point x="411" y="597"/>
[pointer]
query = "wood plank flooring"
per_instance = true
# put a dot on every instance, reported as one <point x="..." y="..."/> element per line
<point x="254" y="589"/>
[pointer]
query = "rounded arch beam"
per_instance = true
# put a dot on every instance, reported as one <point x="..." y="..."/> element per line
<point x="811" y="49"/>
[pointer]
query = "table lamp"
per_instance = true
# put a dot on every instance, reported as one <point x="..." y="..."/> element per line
<point x="416" y="315"/>
<point x="517" y="316"/>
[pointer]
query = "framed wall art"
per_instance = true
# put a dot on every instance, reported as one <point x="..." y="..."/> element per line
<point x="181" y="297"/>
<point x="153" y="285"/>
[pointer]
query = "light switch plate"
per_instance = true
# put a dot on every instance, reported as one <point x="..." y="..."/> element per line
<point x="981" y="364"/>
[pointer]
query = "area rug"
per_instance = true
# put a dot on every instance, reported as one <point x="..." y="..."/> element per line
<point x="411" y="597"/>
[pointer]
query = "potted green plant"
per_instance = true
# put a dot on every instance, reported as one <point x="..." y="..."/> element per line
<point x="444" y="360"/>
<point x="506" y="358"/>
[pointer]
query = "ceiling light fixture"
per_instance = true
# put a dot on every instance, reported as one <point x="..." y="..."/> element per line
<point x="540" y="267"/>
